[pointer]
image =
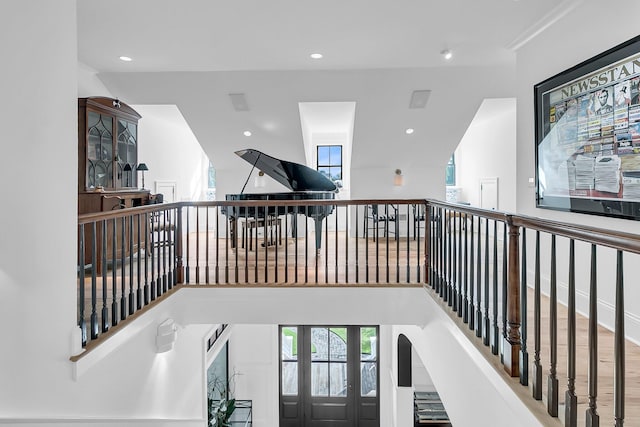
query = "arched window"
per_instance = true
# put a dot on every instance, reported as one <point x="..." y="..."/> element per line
<point x="404" y="361"/>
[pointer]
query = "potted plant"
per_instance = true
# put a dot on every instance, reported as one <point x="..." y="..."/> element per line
<point x="221" y="403"/>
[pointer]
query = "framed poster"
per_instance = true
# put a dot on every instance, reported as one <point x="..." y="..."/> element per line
<point x="588" y="136"/>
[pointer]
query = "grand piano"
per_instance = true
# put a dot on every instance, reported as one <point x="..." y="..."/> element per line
<point x="305" y="184"/>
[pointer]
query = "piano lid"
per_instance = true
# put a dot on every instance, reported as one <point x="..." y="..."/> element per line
<point x="292" y="175"/>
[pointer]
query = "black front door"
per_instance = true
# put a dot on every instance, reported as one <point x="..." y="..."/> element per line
<point x="329" y="376"/>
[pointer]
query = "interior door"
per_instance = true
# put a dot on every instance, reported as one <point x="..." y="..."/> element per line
<point x="489" y="193"/>
<point x="329" y="376"/>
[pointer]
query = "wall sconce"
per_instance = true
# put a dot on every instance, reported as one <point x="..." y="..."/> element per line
<point x="398" y="179"/>
<point x="260" y="180"/>
<point x="166" y="337"/>
<point x="142" y="167"/>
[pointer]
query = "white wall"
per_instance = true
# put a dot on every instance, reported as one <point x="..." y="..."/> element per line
<point x="253" y="358"/>
<point x="39" y="120"/>
<point x="564" y="44"/>
<point x="40" y="86"/>
<point x="171" y="152"/>
<point x="89" y="84"/>
<point x="488" y="150"/>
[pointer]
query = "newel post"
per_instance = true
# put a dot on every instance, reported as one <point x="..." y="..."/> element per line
<point x="512" y="341"/>
<point x="179" y="265"/>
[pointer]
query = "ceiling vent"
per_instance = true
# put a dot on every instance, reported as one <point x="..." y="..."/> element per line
<point x="419" y="98"/>
<point x="239" y="101"/>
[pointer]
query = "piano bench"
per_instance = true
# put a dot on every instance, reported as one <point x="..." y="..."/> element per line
<point x="251" y="224"/>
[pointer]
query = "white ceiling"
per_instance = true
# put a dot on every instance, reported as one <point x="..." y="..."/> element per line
<point x="213" y="35"/>
<point x="194" y="53"/>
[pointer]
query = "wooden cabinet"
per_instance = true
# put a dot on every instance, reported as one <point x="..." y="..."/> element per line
<point x="107" y="178"/>
<point x="107" y="145"/>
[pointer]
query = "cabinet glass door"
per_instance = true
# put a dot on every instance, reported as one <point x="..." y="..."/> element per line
<point x="127" y="154"/>
<point x="99" y="150"/>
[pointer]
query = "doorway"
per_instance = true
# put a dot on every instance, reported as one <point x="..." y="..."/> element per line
<point x="329" y="376"/>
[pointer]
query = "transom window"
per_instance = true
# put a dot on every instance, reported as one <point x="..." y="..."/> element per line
<point x="330" y="161"/>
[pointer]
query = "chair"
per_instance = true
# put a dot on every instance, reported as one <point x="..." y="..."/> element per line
<point x="163" y="225"/>
<point x="379" y="217"/>
<point x="273" y="225"/>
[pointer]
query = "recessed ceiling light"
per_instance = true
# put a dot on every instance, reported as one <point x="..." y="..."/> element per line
<point x="408" y="131"/>
<point x="316" y="56"/>
<point x="126" y="59"/>
<point x="247" y="133"/>
<point x="447" y="54"/>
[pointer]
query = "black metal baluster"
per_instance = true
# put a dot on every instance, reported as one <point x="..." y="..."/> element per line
<point x="447" y="259"/>
<point x="197" y="244"/>
<point x="306" y="246"/>
<point x="416" y="238"/>
<point x="479" y="281"/>
<point x="248" y="242"/>
<point x="286" y="246"/>
<point x="81" y="283"/>
<point x="460" y="265"/>
<point x="147" y="255"/>
<point x="131" y="281"/>
<point x="346" y="243"/>
<point x="94" y="282"/>
<point x="537" y="368"/>
<point x="326" y="249"/>
<point x="114" y="282"/>
<point x="448" y="294"/>
<point x="619" y="346"/>
<point x="386" y="228"/>
<point x="166" y="251"/>
<point x="408" y="271"/>
<point x="217" y="234"/>
<point x="592" y="417"/>
<point x="471" y="275"/>
<point x="294" y="229"/>
<point x="123" y="284"/>
<point x="179" y="250"/>
<point x="441" y="240"/>
<point x="275" y="225"/>
<point x="173" y="276"/>
<point x="265" y="242"/>
<point x="524" y="355"/>
<point x="453" y="301"/>
<point x="377" y="242"/>
<point x="396" y="227"/>
<point x="429" y="236"/>
<point x="570" y="399"/>
<point x="206" y="248"/>
<point x="188" y="250"/>
<point x="255" y="254"/>
<point x="159" y="281"/>
<point x="154" y="260"/>
<point x="105" y="295"/>
<point x="504" y="286"/>
<point x="139" y="264"/>
<point x="494" y="311"/>
<point x="357" y="250"/>
<point x="552" y="380"/>
<point x="487" y="322"/>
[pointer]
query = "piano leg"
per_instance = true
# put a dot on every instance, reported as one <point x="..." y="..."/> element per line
<point x="318" y="224"/>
